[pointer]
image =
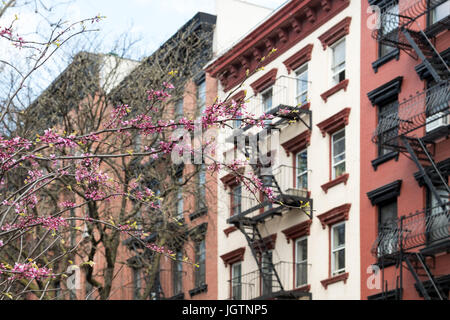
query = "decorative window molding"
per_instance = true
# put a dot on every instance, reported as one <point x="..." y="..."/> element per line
<point x="297" y="143"/>
<point x="386" y="192"/>
<point x="233" y="256"/>
<point x="198" y="233"/>
<point x="229" y="180"/>
<point x="238" y="97"/>
<point x="386" y="93"/>
<point x="229" y="230"/>
<point x="341" y="85"/>
<point x="265" y="81"/>
<point x="389" y="295"/>
<point x="196" y="291"/>
<point x="335" y="33"/>
<point x="298" y="231"/>
<point x="299" y="58"/>
<point x="385" y="158"/>
<point x="341" y="179"/>
<point x="335" y="122"/>
<point x="266" y="243"/>
<point x="342" y="277"/>
<point x="394" y="54"/>
<point x="305" y="288"/>
<point x="335" y="215"/>
<point x="198" y="213"/>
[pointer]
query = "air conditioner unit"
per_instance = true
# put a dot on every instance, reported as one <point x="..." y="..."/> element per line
<point x="437" y="120"/>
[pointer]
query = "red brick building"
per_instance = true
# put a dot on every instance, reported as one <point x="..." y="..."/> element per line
<point x="405" y="158"/>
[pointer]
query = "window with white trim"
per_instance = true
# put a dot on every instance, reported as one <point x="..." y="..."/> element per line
<point x="302" y="85"/>
<point x="338" y="249"/>
<point x="338" y="153"/>
<point x="302" y="170"/>
<point x="389" y="28"/>
<point x="338" y="62"/>
<point x="236" y="281"/>
<point x="236" y="196"/>
<point x="301" y="262"/>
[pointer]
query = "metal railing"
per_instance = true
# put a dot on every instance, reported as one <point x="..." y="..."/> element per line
<point x="424" y="228"/>
<point x="396" y="15"/>
<point x="251" y="285"/>
<point x="285" y="178"/>
<point x="416" y="112"/>
<point x="283" y="93"/>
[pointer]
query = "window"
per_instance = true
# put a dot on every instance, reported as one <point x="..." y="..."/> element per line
<point x="388" y="118"/>
<point x="338" y="62"/>
<point x="179" y="109"/>
<point x="338" y="153"/>
<point x="236" y="196"/>
<point x="302" y="85"/>
<point x="200" y="272"/>
<point x="267" y="273"/>
<point x="201" y="179"/>
<point x="437" y="106"/>
<point x="302" y="170"/>
<point x="301" y="262"/>
<point x="180" y="199"/>
<point x="267" y="99"/>
<point x="177" y="273"/>
<point x="438" y="220"/>
<point x="137" y="285"/>
<point x="201" y="96"/>
<point x="236" y="281"/>
<point x="267" y="182"/>
<point x="389" y="28"/>
<point x="338" y="249"/>
<point x="440" y="12"/>
<point x="387" y="227"/>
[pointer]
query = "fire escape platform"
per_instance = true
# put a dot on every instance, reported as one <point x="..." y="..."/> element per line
<point x="436" y="248"/>
<point x="441" y="132"/>
<point x="286" y="295"/>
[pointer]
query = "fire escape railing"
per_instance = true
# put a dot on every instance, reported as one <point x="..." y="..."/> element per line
<point x="416" y="112"/>
<point x="282" y="102"/>
<point x="251" y="286"/>
<point x="420" y="229"/>
<point x="400" y="28"/>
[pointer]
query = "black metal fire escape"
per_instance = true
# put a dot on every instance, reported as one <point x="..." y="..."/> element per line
<point x="400" y="132"/>
<point x="249" y="226"/>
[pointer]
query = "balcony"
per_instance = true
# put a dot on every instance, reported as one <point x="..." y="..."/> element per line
<point x="255" y="209"/>
<point x="429" y="109"/>
<point x="428" y="230"/>
<point x="395" y="16"/>
<point x="286" y="100"/>
<point x="253" y="285"/>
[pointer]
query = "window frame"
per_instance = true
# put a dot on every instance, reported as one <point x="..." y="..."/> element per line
<point x="333" y="164"/>
<point x="387" y="105"/>
<point x="233" y="203"/>
<point x="380" y="45"/>
<point x="233" y="282"/>
<point x="334" y="250"/>
<point x="300" y="174"/>
<point x="268" y="253"/>
<point x="201" y="185"/>
<point x="298" y="74"/>
<point x="297" y="262"/>
<point x="380" y="206"/>
<point x="263" y="99"/>
<point x="177" y="274"/>
<point x="432" y="13"/>
<point x="201" y="105"/>
<point x="335" y="73"/>
<point x="200" y="260"/>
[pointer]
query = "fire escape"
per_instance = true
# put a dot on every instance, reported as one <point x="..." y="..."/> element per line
<point x="258" y="212"/>
<point x="416" y="239"/>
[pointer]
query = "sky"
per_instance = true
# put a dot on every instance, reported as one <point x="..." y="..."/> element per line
<point x="152" y="21"/>
<point x="149" y="23"/>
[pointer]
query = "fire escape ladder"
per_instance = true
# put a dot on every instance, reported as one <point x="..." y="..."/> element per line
<point x="414" y="153"/>
<point x="422" y="264"/>
<point x="427" y="53"/>
<point x="258" y="246"/>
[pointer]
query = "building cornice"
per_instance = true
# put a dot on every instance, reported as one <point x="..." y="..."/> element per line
<point x="284" y="29"/>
